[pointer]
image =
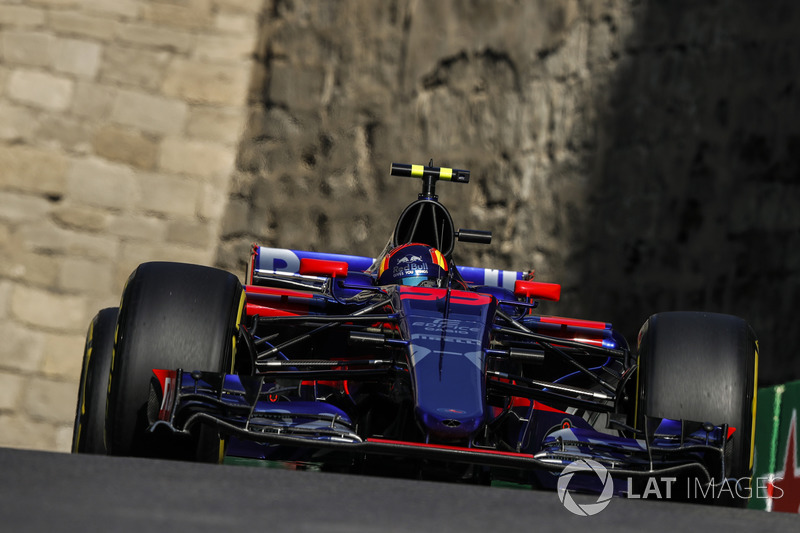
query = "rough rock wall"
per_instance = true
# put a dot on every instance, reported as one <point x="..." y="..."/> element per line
<point x="119" y="121"/>
<point x="693" y="197"/>
<point x="644" y="154"/>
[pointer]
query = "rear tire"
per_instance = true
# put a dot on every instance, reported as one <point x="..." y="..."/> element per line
<point x="702" y="367"/>
<point x="172" y="315"/>
<point x="88" y="435"/>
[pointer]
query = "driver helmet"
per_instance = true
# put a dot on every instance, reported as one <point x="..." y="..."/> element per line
<point x="413" y="264"/>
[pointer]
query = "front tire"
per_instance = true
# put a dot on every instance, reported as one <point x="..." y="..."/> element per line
<point x="702" y="367"/>
<point x="88" y="435"/>
<point x="172" y="315"/>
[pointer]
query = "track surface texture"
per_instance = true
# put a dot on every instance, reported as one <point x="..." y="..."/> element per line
<point x="44" y="491"/>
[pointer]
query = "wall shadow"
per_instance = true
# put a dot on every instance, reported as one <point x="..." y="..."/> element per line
<point x="694" y="194"/>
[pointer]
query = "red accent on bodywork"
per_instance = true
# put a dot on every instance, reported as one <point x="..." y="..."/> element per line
<point x="263" y="310"/>
<point x="161" y="376"/>
<point x="731" y="431"/>
<point x="322" y="267"/>
<point x="168" y="380"/>
<point x="445" y="447"/>
<point x="536" y="289"/>
<point x="539" y="406"/>
<point x="421" y="293"/>
<point x="456" y="296"/>
<point x="591" y="324"/>
<point x="518" y="401"/>
<point x="268" y="301"/>
<point x="269" y="291"/>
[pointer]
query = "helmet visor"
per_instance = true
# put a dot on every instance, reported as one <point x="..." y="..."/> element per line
<point x="413" y="281"/>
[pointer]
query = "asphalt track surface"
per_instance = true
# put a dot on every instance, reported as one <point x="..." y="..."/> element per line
<point x="42" y="491"/>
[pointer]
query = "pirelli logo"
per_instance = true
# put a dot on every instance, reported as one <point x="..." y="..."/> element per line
<point x="439" y="173"/>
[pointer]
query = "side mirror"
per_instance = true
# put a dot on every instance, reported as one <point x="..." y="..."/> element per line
<point x="474" y="235"/>
<point x="323" y="267"/>
<point x="537" y="290"/>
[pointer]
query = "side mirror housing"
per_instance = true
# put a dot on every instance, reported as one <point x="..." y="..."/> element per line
<point x="537" y="290"/>
<point x="323" y="267"/>
<point x="474" y="235"/>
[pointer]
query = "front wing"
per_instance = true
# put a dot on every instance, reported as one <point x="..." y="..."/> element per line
<point x="248" y="408"/>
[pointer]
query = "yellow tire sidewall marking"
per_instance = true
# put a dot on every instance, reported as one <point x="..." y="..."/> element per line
<point x="82" y="410"/>
<point x="242" y="301"/>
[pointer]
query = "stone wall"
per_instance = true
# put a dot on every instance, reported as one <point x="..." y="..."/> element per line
<point x="501" y="88"/>
<point x="119" y="121"/>
<point x="643" y="154"/>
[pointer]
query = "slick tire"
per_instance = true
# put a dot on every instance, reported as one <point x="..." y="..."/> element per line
<point x="172" y="316"/>
<point x="88" y="435"/>
<point x="702" y="367"/>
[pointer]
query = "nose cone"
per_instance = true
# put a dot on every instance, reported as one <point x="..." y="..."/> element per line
<point x="449" y="391"/>
<point x="450" y="394"/>
<point x="450" y="423"/>
<point x="447" y="331"/>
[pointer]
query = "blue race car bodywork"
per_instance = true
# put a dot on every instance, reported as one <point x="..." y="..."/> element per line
<point x="460" y="382"/>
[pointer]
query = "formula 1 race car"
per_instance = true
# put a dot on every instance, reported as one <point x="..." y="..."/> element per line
<point x="410" y="365"/>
